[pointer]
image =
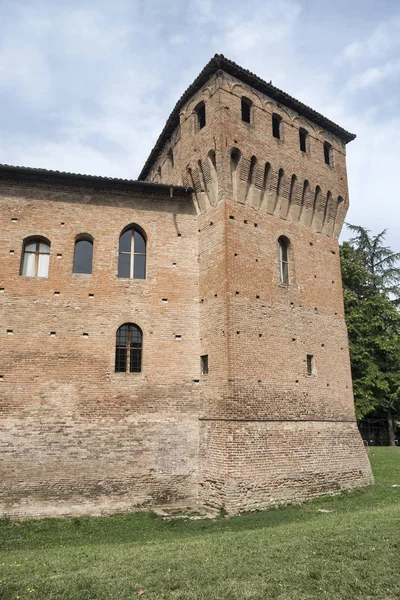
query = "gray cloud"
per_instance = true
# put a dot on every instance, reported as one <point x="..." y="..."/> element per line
<point x="87" y="86"/>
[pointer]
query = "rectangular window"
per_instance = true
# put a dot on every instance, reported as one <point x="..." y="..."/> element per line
<point x="28" y="268"/>
<point x="204" y="364"/>
<point x="327" y="153"/>
<point x="120" y="360"/>
<point x="200" y="111"/>
<point x="276" y="126"/>
<point x="246" y="109"/>
<point x="310" y="364"/>
<point x="303" y="140"/>
<point x="43" y="265"/>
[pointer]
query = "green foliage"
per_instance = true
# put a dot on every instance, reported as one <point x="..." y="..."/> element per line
<point x="349" y="551"/>
<point x="379" y="260"/>
<point x="373" y="322"/>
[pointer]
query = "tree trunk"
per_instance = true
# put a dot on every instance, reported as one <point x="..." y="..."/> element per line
<point x="392" y="441"/>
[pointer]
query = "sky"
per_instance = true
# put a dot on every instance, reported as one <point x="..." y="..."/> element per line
<point x="87" y="85"/>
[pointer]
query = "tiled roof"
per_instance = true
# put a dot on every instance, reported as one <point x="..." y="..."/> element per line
<point x="220" y="63"/>
<point x="32" y="174"/>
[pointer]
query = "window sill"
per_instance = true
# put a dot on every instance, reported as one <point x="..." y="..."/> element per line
<point x="127" y="374"/>
<point x="130" y="278"/>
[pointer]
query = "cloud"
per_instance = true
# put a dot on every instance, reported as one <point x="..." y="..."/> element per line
<point x="383" y="39"/>
<point x="87" y="86"/>
<point x="372" y="76"/>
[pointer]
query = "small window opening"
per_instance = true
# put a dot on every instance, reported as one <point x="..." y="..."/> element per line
<point x="200" y="111"/>
<point x="283" y="244"/>
<point x="132" y="254"/>
<point x="83" y="254"/>
<point x="128" y="349"/>
<point x="246" y="109"/>
<point x="310" y="364"/>
<point x="204" y="364"/>
<point x="276" y="126"/>
<point x="327" y="153"/>
<point x="171" y="157"/>
<point x="303" y="140"/>
<point x="35" y="258"/>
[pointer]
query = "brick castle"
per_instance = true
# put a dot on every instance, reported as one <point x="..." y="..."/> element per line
<point x="180" y="339"/>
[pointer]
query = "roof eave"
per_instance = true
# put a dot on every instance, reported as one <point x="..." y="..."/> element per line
<point x="32" y="175"/>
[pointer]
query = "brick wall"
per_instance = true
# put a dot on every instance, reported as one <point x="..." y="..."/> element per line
<point x="76" y="436"/>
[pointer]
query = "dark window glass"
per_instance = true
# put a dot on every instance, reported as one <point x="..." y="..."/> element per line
<point x="200" y="111"/>
<point x="83" y="256"/>
<point x="124" y="265"/>
<point x="139" y="270"/>
<point x="125" y="241"/>
<point x="128" y="351"/>
<point x="327" y="153"/>
<point x="276" y="126"/>
<point x="136" y="360"/>
<point x="140" y="244"/>
<point x="120" y="360"/>
<point x="132" y="255"/>
<point x="204" y="364"/>
<point x="303" y="140"/>
<point x="246" y="110"/>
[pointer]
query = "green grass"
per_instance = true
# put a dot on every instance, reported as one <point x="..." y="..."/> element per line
<point x="294" y="553"/>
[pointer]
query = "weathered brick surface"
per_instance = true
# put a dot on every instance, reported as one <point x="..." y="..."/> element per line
<point x="73" y="430"/>
<point x="257" y="430"/>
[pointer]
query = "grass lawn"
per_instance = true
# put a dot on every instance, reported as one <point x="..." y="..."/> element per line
<point x="287" y="553"/>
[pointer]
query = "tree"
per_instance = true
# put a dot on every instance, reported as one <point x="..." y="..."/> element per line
<point x="380" y="261"/>
<point x="373" y="323"/>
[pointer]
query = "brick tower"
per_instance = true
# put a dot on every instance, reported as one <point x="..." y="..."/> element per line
<point x="269" y="176"/>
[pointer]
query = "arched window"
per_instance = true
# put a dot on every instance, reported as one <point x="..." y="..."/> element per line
<point x="132" y="254"/>
<point x="128" y="349"/>
<point x="283" y="244"/>
<point x="35" y="257"/>
<point x="83" y="254"/>
<point x="200" y="111"/>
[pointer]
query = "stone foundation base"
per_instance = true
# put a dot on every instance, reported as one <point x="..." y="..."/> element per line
<point x="279" y="462"/>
